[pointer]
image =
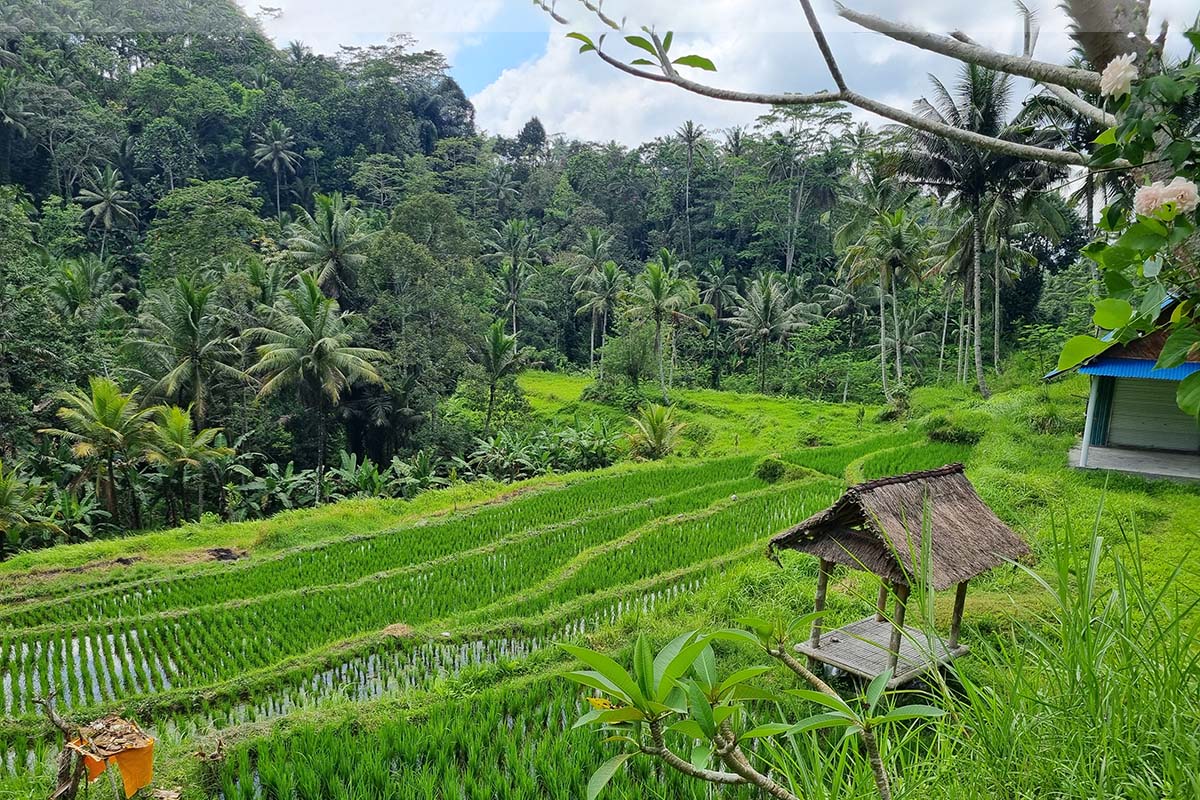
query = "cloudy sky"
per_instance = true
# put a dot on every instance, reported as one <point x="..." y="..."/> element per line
<point x="514" y="62"/>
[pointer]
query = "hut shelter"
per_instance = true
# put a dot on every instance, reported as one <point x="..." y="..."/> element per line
<point x="877" y="526"/>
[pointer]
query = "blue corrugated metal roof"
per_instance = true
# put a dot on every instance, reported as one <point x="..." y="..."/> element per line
<point x="1137" y="368"/>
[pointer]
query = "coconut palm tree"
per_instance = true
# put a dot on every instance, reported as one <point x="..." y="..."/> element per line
<point x="307" y="344"/>
<point x="891" y="248"/>
<point x="513" y="286"/>
<point x="84" y="287"/>
<point x="501" y="187"/>
<point x="19" y="496"/>
<point x="273" y="148"/>
<point x="498" y="357"/>
<point x="599" y="297"/>
<point x="655" y="432"/>
<point x="850" y="305"/>
<point x="106" y="202"/>
<point x="185" y="345"/>
<point x="657" y="294"/>
<point x="332" y="242"/>
<point x="768" y="316"/>
<point x="587" y="262"/>
<point x="963" y="173"/>
<point x="106" y="424"/>
<point x="173" y="444"/>
<point x="718" y="291"/>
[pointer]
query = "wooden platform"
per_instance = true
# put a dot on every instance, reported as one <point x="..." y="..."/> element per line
<point x="1149" y="463"/>
<point x="861" y="648"/>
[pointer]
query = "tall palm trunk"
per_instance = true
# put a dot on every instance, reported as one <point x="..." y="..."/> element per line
<point x="603" y="332"/>
<point x="960" y="372"/>
<point x="762" y="366"/>
<point x="883" y="337"/>
<point x="658" y="352"/>
<point x="945" y="327"/>
<point x="977" y="284"/>
<point x="278" y="207"/>
<point x="487" y="421"/>
<point x="896" y="330"/>
<point x="103" y="243"/>
<point x="322" y="434"/>
<point x="996" y="305"/>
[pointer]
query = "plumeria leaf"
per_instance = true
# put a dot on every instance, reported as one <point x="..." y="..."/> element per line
<point x="875" y="689"/>
<point x="820" y="698"/>
<point x="642" y="42"/>
<point x="608" y="668"/>
<point x="828" y="720"/>
<point x="689" y="728"/>
<point x="702" y="711"/>
<point x="699" y="62"/>
<point x="769" y="729"/>
<point x="666" y="42"/>
<point x="587" y="45"/>
<point x="604" y="774"/>
<point x="914" y="711"/>
<point x="701" y="755"/>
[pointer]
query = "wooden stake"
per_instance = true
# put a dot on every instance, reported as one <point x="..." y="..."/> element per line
<point x="819" y="601"/>
<point x="960" y="600"/>
<point x="901" y="591"/>
<point x="881" y="603"/>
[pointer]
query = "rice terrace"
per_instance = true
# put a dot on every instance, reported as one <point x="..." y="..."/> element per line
<point x="558" y="415"/>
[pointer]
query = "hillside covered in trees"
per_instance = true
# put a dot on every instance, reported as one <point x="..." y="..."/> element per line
<point x="226" y="264"/>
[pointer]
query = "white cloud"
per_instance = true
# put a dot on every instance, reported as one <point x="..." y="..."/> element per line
<point x="763" y="45"/>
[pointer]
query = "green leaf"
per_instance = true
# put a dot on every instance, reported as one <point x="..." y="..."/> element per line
<point x="820" y="698"/>
<point x="821" y="721"/>
<point x="1183" y="339"/>
<point x="689" y="728"/>
<point x="914" y="711"/>
<point x="705" y="668"/>
<point x="769" y="729"/>
<point x="875" y="689"/>
<point x="1112" y="313"/>
<point x="594" y="680"/>
<point x="761" y="627"/>
<point x="666" y="42"/>
<point x="1152" y="302"/>
<point x="642" y="42"/>
<point x="1079" y="349"/>
<point x="701" y="755"/>
<point x="699" y="62"/>
<point x="613" y="716"/>
<point x="1142" y="236"/>
<point x="609" y="669"/>
<point x="736" y="635"/>
<point x="1187" y="396"/>
<point x="741" y="676"/>
<point x="643" y="62"/>
<point x="701" y="710"/>
<point x="743" y="692"/>
<point x="587" y="45"/>
<point x="643" y="667"/>
<point x="1106" y="137"/>
<point x="803" y="621"/>
<point x="604" y="774"/>
<point x="1117" y="285"/>
<point x="1152" y="267"/>
<point x="674" y="660"/>
<point x="1178" y="152"/>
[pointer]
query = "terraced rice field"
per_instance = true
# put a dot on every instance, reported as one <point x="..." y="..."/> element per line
<point x="213" y="647"/>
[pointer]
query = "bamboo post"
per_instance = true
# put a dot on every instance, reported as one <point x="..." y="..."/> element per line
<point x="960" y="600"/>
<point x="881" y="603"/>
<point x="819" y="601"/>
<point x="901" y="591"/>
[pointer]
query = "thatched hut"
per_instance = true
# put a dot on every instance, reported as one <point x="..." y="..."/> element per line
<point x="879" y="527"/>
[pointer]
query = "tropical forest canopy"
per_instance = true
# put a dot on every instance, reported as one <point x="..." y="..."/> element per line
<point x="225" y="264"/>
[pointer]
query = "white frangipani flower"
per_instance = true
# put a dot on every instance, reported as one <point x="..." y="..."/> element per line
<point x="1118" y="76"/>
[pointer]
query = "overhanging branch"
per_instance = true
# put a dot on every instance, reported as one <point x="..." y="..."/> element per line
<point x="1041" y="71"/>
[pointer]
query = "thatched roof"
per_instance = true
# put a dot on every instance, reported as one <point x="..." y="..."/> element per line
<point x="877" y="526"/>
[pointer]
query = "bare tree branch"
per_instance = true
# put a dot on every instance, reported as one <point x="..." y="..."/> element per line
<point x="845" y="95"/>
<point x="972" y="53"/>
<point x="660" y="749"/>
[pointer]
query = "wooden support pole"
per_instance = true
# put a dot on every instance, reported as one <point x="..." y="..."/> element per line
<point x="960" y="600"/>
<point x="881" y="603"/>
<point x="819" y="601"/>
<point x="1089" y="422"/>
<point x="901" y="591"/>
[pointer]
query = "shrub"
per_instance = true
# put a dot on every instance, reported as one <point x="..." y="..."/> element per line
<point x="956" y="426"/>
<point x="773" y="469"/>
